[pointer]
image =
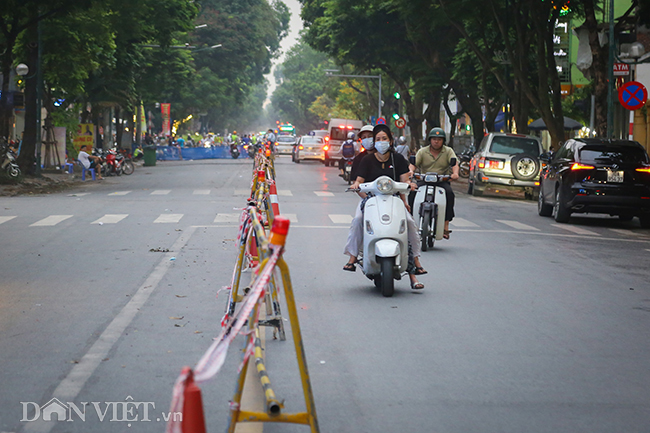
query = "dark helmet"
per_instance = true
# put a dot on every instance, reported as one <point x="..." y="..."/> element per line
<point x="437" y="132"/>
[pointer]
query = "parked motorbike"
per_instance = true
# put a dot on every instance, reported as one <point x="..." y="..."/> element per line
<point x="465" y="157"/>
<point x="429" y="208"/>
<point x="347" y="170"/>
<point x="8" y="161"/>
<point x="234" y="151"/>
<point x="385" y="235"/>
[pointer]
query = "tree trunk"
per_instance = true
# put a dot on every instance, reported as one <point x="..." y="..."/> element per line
<point x="119" y="127"/>
<point x="413" y="107"/>
<point x="598" y="68"/>
<point x="432" y="115"/>
<point x="27" y="157"/>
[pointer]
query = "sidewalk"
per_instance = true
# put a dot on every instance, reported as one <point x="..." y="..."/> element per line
<point x="50" y="181"/>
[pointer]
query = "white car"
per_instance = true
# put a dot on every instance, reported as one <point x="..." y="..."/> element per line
<point x="309" y="147"/>
<point x="284" y="144"/>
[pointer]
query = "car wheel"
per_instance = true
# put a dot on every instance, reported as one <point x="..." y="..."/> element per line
<point x="543" y="209"/>
<point x="470" y="186"/>
<point x="524" y="167"/>
<point x="476" y="192"/>
<point x="561" y="213"/>
<point x="645" y="221"/>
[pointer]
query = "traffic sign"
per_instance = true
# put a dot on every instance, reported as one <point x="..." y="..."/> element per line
<point x="381" y="121"/>
<point x="632" y="95"/>
<point x="400" y="122"/>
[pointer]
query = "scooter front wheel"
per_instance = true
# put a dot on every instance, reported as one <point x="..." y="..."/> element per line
<point x="386" y="276"/>
<point x="425" y="234"/>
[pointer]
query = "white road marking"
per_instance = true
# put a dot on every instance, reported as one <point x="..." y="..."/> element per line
<point x="285" y="192"/>
<point x="169" y="218"/>
<point x="201" y="192"/>
<point x="462" y="222"/>
<point x="324" y="193"/>
<point x="481" y="199"/>
<point x="161" y="192"/>
<point x="52" y="220"/>
<point x="111" y="219"/>
<point x="4" y="219"/>
<point x="74" y="382"/>
<point x="576" y="230"/>
<point x="628" y="233"/>
<point x="292" y="217"/>
<point x="227" y="218"/>
<point x="341" y="218"/>
<point x="246" y="192"/>
<point x="517" y="225"/>
<point x="120" y="193"/>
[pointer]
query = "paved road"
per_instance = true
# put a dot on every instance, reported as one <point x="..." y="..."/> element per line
<point x="524" y="325"/>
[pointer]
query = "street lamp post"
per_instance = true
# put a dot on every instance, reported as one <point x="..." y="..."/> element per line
<point x="610" y="74"/>
<point x="330" y="73"/>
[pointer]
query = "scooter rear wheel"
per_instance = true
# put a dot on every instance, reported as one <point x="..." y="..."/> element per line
<point x="386" y="276"/>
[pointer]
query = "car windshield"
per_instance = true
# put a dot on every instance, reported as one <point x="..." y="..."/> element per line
<point x="311" y="140"/>
<point x="286" y="139"/>
<point x="619" y="154"/>
<point x="514" y="145"/>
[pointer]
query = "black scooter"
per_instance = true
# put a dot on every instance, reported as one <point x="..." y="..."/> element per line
<point x="234" y="151"/>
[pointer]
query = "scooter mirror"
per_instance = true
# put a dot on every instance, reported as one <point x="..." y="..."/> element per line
<point x="452" y="162"/>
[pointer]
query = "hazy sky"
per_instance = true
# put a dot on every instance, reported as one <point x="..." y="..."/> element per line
<point x="295" y="25"/>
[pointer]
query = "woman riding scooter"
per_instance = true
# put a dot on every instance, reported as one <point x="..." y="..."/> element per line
<point x="384" y="162"/>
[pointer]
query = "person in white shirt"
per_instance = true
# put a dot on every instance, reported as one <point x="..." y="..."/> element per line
<point x="90" y="161"/>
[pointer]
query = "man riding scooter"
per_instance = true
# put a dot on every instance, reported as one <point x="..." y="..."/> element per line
<point x="437" y="158"/>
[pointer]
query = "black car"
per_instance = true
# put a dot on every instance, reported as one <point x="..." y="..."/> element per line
<point x="597" y="176"/>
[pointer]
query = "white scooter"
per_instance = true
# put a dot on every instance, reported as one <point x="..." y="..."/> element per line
<point x="429" y="208"/>
<point x="385" y="233"/>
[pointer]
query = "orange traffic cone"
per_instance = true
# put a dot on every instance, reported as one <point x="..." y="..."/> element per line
<point x="193" y="417"/>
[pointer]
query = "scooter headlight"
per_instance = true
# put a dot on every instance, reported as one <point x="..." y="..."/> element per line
<point x="431" y="178"/>
<point x="385" y="186"/>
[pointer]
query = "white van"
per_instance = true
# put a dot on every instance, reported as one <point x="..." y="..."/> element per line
<point x="338" y="132"/>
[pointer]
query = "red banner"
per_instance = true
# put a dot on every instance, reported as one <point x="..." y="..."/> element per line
<point x="165" y="110"/>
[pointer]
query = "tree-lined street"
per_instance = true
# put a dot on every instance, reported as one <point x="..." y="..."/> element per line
<point x="524" y="325"/>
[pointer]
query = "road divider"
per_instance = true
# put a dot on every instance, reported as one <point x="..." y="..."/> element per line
<point x="263" y="252"/>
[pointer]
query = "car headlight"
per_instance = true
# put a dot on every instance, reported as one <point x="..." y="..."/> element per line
<point x="385" y="185"/>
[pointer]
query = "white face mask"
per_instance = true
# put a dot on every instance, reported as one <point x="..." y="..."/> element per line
<point x="367" y="143"/>
<point x="382" y="146"/>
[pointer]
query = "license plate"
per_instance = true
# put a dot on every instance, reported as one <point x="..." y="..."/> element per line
<point x="614" y="176"/>
<point x="348" y="168"/>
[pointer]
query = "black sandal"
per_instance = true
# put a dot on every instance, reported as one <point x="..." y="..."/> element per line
<point x="350" y="267"/>
<point x="420" y="271"/>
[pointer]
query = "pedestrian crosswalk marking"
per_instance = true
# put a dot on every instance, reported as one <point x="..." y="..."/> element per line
<point x="285" y="192"/>
<point x="517" y="225"/>
<point x="324" y="194"/>
<point x="576" y="230"/>
<point x="340" y="218"/>
<point x="52" y="220"/>
<point x="227" y="218"/>
<point x="246" y="192"/>
<point x="4" y="219"/>
<point x="626" y="232"/>
<point x="110" y="219"/>
<point x="169" y="218"/>
<point x="291" y="216"/>
<point x="161" y="192"/>
<point x="462" y="222"/>
<point x="120" y="193"/>
<point x="201" y="192"/>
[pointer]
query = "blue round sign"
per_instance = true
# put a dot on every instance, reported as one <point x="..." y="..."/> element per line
<point x="632" y="95"/>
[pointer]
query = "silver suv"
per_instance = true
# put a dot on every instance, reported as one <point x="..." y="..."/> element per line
<point x="509" y="161"/>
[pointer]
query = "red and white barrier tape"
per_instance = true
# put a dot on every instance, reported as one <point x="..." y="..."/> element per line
<point x="213" y="359"/>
